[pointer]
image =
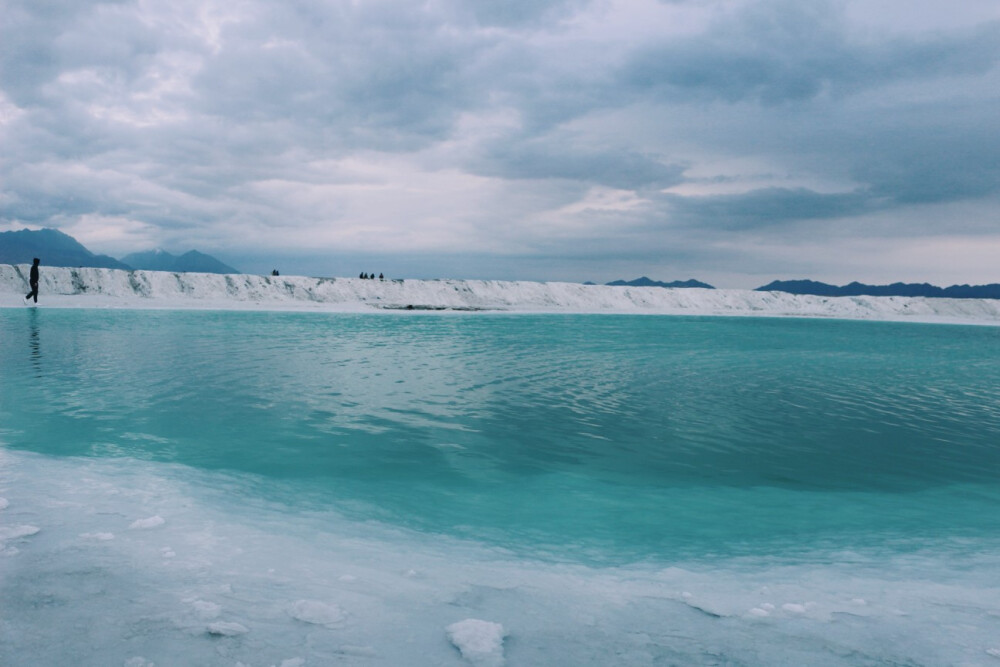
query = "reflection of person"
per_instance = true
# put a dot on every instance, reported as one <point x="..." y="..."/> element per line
<point x="33" y="282"/>
<point x="34" y="343"/>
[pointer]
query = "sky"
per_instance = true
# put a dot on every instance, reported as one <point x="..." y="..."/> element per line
<point x="731" y="141"/>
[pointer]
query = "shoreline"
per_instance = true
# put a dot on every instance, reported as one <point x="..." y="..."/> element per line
<point x="92" y="288"/>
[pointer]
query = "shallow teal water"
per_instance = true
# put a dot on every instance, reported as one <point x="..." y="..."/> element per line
<point x="599" y="438"/>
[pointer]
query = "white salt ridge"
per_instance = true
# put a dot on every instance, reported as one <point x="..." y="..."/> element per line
<point x="112" y="288"/>
<point x="317" y="613"/>
<point x="15" y="532"/>
<point x="480" y="642"/>
<point x="145" y="524"/>
<point x="103" y="537"/>
<point x="226" y="629"/>
<point x="139" y="661"/>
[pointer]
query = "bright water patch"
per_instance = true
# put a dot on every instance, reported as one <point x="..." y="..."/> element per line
<point x="613" y="490"/>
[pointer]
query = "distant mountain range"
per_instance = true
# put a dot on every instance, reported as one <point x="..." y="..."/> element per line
<point x="55" y="248"/>
<point x="647" y="282"/>
<point x="190" y="262"/>
<point x="991" y="291"/>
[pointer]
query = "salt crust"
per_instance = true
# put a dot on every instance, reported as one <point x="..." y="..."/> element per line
<point x="112" y="288"/>
<point x="480" y="642"/>
<point x="102" y="537"/>
<point x="145" y="524"/>
<point x="317" y="613"/>
<point x="14" y="532"/>
<point x="226" y="629"/>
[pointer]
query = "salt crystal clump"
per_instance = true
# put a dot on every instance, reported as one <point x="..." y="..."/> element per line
<point x="480" y="642"/>
<point x="206" y="610"/>
<point x="139" y="661"/>
<point x="151" y="522"/>
<point x="318" y="613"/>
<point x="794" y="608"/>
<point x="98" y="536"/>
<point x="4" y="504"/>
<point x="14" y="532"/>
<point x="757" y="611"/>
<point x="227" y="629"/>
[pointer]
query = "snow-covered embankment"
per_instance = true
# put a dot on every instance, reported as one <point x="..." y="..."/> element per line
<point x="111" y="288"/>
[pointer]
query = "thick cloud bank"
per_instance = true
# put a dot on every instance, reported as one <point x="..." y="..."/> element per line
<point x="554" y="139"/>
<point x="91" y="287"/>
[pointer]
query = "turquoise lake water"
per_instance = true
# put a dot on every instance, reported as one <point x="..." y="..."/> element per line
<point x="598" y="442"/>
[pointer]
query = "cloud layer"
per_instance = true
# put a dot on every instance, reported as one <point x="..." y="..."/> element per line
<point x="731" y="140"/>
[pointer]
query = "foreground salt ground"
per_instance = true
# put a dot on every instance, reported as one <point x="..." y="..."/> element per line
<point x="124" y="562"/>
<point x="112" y="288"/>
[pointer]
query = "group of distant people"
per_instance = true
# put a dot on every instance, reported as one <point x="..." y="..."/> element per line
<point x="366" y="276"/>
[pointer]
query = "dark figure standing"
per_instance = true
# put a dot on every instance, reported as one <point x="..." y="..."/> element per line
<point x="33" y="282"/>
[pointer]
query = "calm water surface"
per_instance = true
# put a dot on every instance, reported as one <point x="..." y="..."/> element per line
<point x="607" y="438"/>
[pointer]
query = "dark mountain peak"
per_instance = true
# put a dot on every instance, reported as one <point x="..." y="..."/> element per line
<point x="190" y="262"/>
<point x="53" y="247"/>
<point x="800" y="287"/>
<point x="991" y="291"/>
<point x="199" y="262"/>
<point x="648" y="282"/>
<point x="150" y="260"/>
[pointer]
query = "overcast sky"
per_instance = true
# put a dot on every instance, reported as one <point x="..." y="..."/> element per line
<point x="730" y="141"/>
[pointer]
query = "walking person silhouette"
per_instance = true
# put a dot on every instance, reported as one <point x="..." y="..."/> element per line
<point x="33" y="282"/>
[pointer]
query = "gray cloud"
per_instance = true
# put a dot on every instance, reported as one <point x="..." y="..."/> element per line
<point x="768" y="207"/>
<point x="492" y="129"/>
<point x="786" y="51"/>
<point x="549" y="158"/>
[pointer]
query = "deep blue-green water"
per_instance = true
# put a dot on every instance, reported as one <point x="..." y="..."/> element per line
<point x="587" y="441"/>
